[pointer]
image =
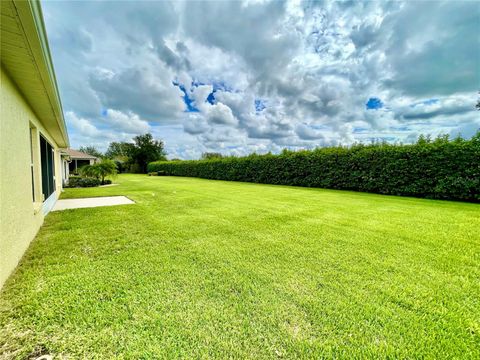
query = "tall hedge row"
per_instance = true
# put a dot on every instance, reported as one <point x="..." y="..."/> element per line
<point x="439" y="169"/>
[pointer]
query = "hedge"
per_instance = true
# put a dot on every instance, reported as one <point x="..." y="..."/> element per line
<point x="439" y="169"/>
<point x="77" y="181"/>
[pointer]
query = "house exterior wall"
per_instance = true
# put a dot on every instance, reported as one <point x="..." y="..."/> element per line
<point x="20" y="215"/>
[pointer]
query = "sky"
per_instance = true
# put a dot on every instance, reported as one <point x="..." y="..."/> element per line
<point x="238" y="77"/>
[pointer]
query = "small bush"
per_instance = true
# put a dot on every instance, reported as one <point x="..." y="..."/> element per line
<point x="77" y="181"/>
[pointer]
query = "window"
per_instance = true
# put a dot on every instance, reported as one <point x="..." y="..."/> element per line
<point x="48" y="168"/>
<point x="31" y="163"/>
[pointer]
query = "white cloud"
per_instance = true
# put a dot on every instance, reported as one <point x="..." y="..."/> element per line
<point x="195" y="124"/>
<point x="127" y="122"/>
<point x="311" y="66"/>
<point x="83" y="126"/>
<point x="147" y="91"/>
<point x="220" y="114"/>
<point x="305" y="132"/>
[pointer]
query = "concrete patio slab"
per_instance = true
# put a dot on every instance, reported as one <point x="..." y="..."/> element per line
<point x="91" y="202"/>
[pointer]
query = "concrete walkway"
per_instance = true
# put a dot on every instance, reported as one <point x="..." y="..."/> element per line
<point x="91" y="202"/>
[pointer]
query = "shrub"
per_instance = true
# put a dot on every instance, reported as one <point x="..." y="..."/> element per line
<point x="100" y="170"/>
<point x="77" y="181"/>
<point x="439" y="169"/>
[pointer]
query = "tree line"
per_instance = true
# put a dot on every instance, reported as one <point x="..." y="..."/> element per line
<point x="131" y="156"/>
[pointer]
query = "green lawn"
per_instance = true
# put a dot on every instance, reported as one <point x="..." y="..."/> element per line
<point x="213" y="269"/>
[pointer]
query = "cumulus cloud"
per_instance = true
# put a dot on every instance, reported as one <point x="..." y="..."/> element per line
<point x="435" y="54"/>
<point x="83" y="126"/>
<point x="195" y="124"/>
<point x="431" y="108"/>
<point x="127" y="122"/>
<point x="298" y="75"/>
<point x="147" y="91"/>
<point x="112" y="125"/>
<point x="220" y="114"/>
<point x="306" y="132"/>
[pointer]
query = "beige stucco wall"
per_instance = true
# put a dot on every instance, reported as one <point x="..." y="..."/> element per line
<point x="20" y="216"/>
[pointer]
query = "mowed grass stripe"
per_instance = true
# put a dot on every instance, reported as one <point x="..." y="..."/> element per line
<point x="214" y="269"/>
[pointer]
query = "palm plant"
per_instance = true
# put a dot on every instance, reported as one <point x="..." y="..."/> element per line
<point x="106" y="168"/>
<point x="100" y="170"/>
<point x="90" y="171"/>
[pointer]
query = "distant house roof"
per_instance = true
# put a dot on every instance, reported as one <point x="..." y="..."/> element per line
<point x="75" y="154"/>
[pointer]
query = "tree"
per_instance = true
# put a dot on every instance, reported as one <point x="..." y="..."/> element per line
<point x="91" y="150"/>
<point x="106" y="168"/>
<point x="100" y="170"/>
<point x="146" y="150"/>
<point x="121" y="153"/>
<point x="422" y="139"/>
<point x="211" y="155"/>
<point x="136" y="156"/>
<point x="119" y="150"/>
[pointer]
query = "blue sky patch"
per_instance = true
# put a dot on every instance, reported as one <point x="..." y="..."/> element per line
<point x="211" y="98"/>
<point x="189" y="103"/>
<point x="259" y="105"/>
<point x="374" y="103"/>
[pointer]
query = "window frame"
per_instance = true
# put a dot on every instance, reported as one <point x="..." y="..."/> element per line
<point x="47" y="163"/>
<point x="32" y="163"/>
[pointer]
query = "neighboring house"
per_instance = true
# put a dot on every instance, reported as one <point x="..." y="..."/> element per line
<point x="32" y="130"/>
<point x="74" y="160"/>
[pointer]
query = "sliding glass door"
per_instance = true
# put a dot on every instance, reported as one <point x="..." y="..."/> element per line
<point x="48" y="167"/>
